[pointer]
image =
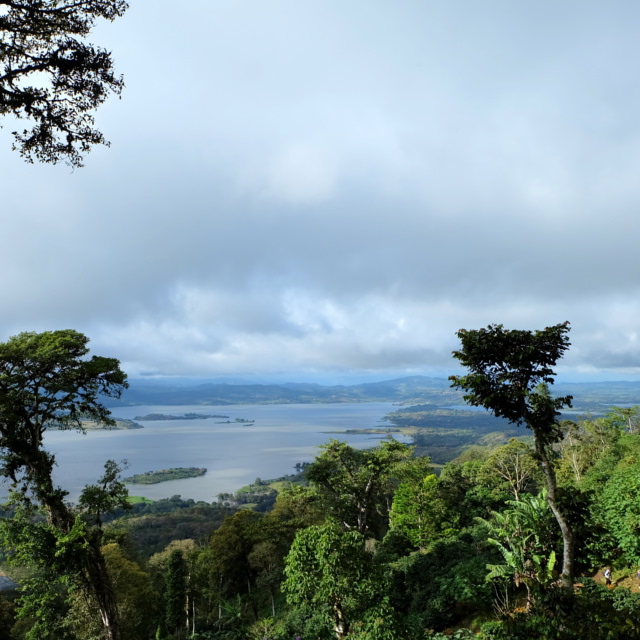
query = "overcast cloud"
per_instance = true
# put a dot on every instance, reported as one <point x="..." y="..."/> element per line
<point x="330" y="186"/>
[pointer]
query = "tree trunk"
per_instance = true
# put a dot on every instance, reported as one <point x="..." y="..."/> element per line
<point x="90" y="564"/>
<point x="565" y="527"/>
<point x="99" y="584"/>
<point x="341" y="626"/>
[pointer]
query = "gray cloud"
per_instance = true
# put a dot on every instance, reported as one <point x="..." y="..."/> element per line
<point x="326" y="187"/>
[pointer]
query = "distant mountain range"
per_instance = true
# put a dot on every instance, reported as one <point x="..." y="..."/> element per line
<point x="593" y="397"/>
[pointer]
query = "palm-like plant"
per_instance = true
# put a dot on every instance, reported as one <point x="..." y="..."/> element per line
<point x="522" y="534"/>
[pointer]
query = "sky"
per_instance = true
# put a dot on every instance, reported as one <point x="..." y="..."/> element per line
<point x="333" y="188"/>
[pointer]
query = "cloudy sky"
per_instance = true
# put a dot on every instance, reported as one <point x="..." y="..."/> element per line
<point x="321" y="187"/>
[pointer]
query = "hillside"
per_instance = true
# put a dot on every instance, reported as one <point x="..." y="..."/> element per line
<point x="589" y="397"/>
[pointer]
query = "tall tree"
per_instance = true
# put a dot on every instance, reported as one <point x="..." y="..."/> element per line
<point x="231" y="576"/>
<point x="513" y="464"/>
<point x="510" y="371"/>
<point x="175" y="595"/>
<point x="419" y="512"/>
<point x="48" y="381"/>
<point x="357" y="485"/>
<point x="50" y="76"/>
<point x="626" y="418"/>
<point x="137" y="600"/>
<point x="332" y="570"/>
<point x="584" y="444"/>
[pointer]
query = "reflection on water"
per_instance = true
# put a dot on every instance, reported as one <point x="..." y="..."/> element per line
<point x="235" y="454"/>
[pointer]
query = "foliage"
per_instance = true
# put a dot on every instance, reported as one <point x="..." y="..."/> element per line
<point x="584" y="444"/>
<point x="458" y="634"/>
<point x="61" y="559"/>
<point x="513" y="465"/>
<point x="595" y="613"/>
<point x="305" y="621"/>
<point x="175" y="593"/>
<point x="314" y="565"/>
<point x="151" y="527"/>
<point x="331" y="569"/>
<point x="618" y="509"/>
<point x="52" y="77"/>
<point x="230" y="546"/>
<point x="299" y="506"/>
<point x="510" y="374"/>
<point x="626" y="446"/>
<point x="47" y="380"/>
<point x="464" y="487"/>
<point x="506" y="368"/>
<point x="100" y="500"/>
<point x="159" y="560"/>
<point x="357" y="484"/>
<point x="523" y="535"/>
<point x="420" y="513"/>
<point x="626" y="419"/>
<point x="7" y="617"/>
<point x="436" y="589"/>
<point x="137" y="601"/>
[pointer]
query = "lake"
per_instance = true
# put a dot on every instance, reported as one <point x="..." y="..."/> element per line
<point x="235" y="454"/>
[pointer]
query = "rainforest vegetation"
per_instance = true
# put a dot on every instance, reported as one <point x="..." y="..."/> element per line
<point x="507" y="540"/>
<point x="373" y="544"/>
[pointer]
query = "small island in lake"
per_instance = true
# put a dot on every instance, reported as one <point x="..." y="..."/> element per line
<point x="246" y="421"/>
<point x="176" y="473"/>
<point x="121" y="423"/>
<point x="186" y="416"/>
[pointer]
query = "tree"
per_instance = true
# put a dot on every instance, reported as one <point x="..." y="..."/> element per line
<point x="266" y="561"/>
<point x="137" y="601"/>
<point x="297" y="507"/>
<point x="584" y="444"/>
<point x="513" y="464"/>
<point x="625" y="418"/>
<point x="617" y="508"/>
<point x="159" y="563"/>
<point x="420" y="513"/>
<point x="52" y="77"/>
<point x="510" y="371"/>
<point x="356" y="484"/>
<point x="48" y="381"/>
<point x="230" y="574"/>
<point x="175" y="595"/>
<point x="331" y="569"/>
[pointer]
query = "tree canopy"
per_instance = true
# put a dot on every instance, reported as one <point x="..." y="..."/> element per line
<point x="370" y="544"/>
<point x="510" y="371"/>
<point x="48" y="380"/>
<point x="50" y="76"/>
<point x="506" y="369"/>
<point x="356" y="484"/>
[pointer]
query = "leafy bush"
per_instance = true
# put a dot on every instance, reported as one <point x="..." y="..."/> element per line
<point x="440" y="588"/>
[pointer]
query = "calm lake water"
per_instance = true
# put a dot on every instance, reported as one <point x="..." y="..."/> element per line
<point x="235" y="454"/>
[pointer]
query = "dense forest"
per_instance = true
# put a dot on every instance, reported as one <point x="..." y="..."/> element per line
<point x="529" y="532"/>
<point x="373" y="544"/>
